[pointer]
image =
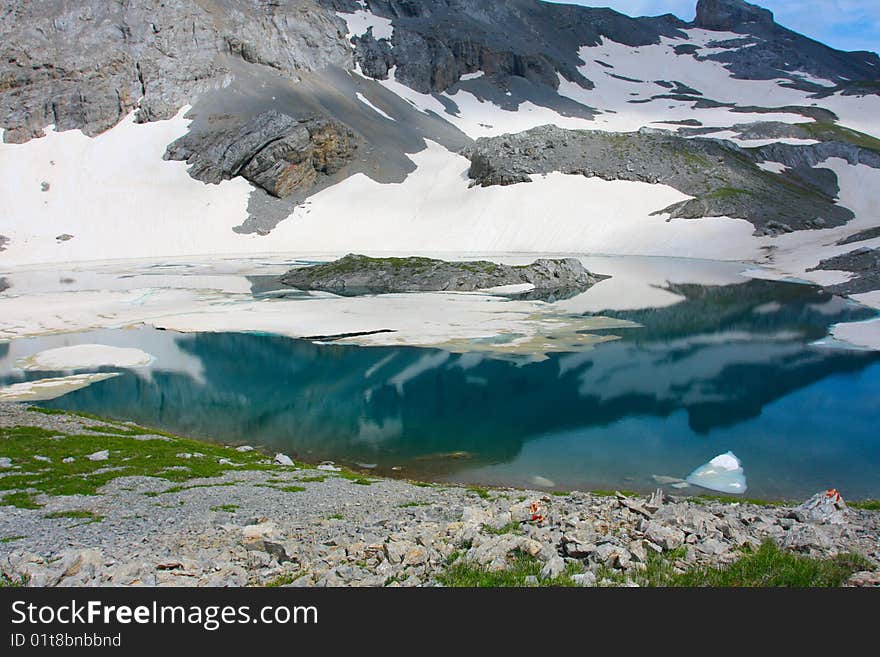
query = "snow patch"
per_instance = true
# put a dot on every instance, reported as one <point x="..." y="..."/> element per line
<point x="366" y="102"/>
<point x="360" y="21"/>
<point x="85" y="356"/>
<point x="45" y="389"/>
<point x="117" y="197"/>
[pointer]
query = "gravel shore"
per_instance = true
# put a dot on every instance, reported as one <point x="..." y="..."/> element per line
<point x="306" y="526"/>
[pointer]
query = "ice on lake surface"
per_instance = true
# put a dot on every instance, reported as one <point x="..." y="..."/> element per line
<point x="677" y="364"/>
<point x="723" y="474"/>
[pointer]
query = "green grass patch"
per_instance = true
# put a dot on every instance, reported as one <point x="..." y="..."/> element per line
<point x="149" y="458"/>
<point x="770" y="566"/>
<point x="292" y="489"/>
<point x="865" y="505"/>
<point x="10" y="539"/>
<point x="766" y="566"/>
<point x="355" y="478"/>
<point x="75" y="513"/>
<point x="510" y="528"/>
<point x="5" y="582"/>
<point x="226" y="508"/>
<point x="827" y="131"/>
<point x="479" y="491"/>
<point x="20" y="499"/>
<point x="316" y="479"/>
<point x="423" y="484"/>
<point x="282" y="580"/>
<point x="695" y="160"/>
<point x="728" y="192"/>
<point x="409" y="505"/>
<point x="180" y="489"/>
<point x="613" y="493"/>
<point x="463" y="574"/>
<point x="59" y="411"/>
<point x="336" y="516"/>
<point x="733" y="499"/>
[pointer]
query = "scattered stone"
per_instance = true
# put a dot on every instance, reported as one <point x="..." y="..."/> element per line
<point x="807" y="538"/>
<point x="244" y="448"/>
<point x="102" y="455"/>
<point x="584" y="579"/>
<point x="825" y="508"/>
<point x="865" y="578"/>
<point x="5" y="462"/>
<point x="334" y="534"/>
<point x="669" y="538"/>
<point x="283" y="459"/>
<point x="554" y="567"/>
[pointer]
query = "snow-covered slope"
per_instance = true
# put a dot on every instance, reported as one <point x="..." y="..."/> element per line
<point x="416" y="88"/>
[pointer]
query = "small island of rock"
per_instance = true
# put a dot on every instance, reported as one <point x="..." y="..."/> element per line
<point x="358" y="274"/>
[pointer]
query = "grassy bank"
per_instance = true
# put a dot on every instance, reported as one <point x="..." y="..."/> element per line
<point x="39" y="456"/>
<point x="765" y="566"/>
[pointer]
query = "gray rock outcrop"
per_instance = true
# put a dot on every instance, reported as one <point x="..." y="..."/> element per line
<point x="272" y="150"/>
<point x="863" y="263"/>
<point x="769" y="51"/>
<point x="355" y="274"/>
<point x="86" y="64"/>
<point x="435" y="42"/>
<point x="723" y="178"/>
<point x="727" y="14"/>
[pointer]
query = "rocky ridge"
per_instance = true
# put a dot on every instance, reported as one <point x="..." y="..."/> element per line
<point x="435" y="42"/>
<point x="86" y="65"/>
<point x="355" y="274"/>
<point x="863" y="264"/>
<point x="313" y="527"/>
<point x="724" y="178"/>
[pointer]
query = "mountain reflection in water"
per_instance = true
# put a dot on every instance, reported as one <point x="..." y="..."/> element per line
<point x="711" y="373"/>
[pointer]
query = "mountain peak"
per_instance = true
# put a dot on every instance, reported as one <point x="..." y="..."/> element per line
<point x="728" y="14"/>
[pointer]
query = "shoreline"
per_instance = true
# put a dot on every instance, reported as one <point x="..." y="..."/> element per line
<point x="423" y="477"/>
<point x="226" y="516"/>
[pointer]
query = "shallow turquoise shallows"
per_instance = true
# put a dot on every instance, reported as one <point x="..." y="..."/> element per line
<point x="734" y="368"/>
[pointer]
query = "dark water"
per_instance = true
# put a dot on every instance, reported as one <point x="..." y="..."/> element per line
<point x="731" y="368"/>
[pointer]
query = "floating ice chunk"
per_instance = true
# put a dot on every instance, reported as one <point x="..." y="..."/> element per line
<point x="85" y="356"/>
<point x="44" y="389"/>
<point x="724" y="474"/>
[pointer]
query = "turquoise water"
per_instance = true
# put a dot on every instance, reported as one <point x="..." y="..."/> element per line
<point x="731" y="368"/>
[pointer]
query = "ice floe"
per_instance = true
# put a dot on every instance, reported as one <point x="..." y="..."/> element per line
<point x="724" y="474"/>
<point x="45" y="389"/>
<point x="85" y="356"/>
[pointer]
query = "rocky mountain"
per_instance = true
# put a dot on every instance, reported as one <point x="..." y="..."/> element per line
<point x="145" y="128"/>
<point x="357" y="274"/>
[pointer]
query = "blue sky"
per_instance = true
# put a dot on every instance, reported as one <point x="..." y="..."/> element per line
<point x="844" y="24"/>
